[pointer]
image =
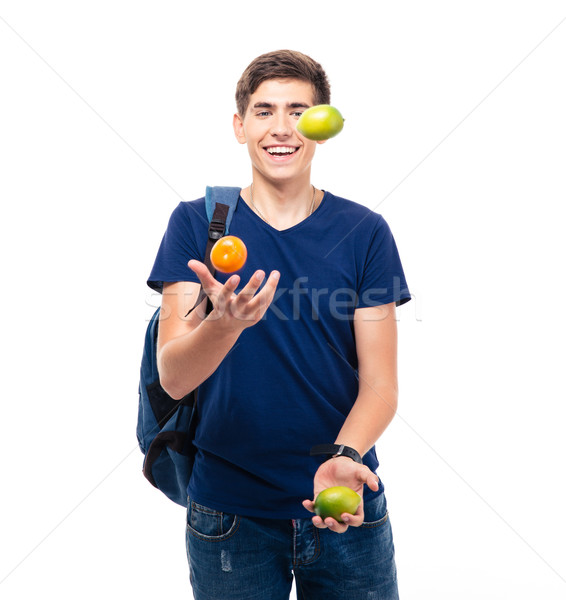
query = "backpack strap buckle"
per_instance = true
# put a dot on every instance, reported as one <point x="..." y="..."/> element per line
<point x="217" y="224"/>
<point x="216" y="229"/>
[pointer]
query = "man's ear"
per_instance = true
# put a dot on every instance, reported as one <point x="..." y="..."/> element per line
<point x="239" y="128"/>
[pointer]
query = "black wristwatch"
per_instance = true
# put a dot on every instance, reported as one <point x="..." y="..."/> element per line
<point x="334" y="450"/>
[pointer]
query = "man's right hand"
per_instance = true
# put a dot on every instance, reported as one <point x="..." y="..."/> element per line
<point x="200" y="340"/>
<point x="231" y="310"/>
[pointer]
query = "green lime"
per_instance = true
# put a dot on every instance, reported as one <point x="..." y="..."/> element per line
<point x="320" y="122"/>
<point x="334" y="501"/>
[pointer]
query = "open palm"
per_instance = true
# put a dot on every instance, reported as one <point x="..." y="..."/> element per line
<point x="342" y="471"/>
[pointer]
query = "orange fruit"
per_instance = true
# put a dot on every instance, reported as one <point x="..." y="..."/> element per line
<point x="334" y="501"/>
<point x="229" y="254"/>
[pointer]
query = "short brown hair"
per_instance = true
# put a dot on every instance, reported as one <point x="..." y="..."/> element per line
<point x="281" y="64"/>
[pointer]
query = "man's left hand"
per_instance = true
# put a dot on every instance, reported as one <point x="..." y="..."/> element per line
<point x="342" y="471"/>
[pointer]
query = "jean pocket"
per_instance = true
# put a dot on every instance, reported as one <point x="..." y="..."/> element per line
<point x="375" y="512"/>
<point x="210" y="524"/>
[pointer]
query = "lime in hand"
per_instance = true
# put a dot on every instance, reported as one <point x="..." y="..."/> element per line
<point x="334" y="501"/>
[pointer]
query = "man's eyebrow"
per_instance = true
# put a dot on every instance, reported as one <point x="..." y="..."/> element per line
<point x="289" y="105"/>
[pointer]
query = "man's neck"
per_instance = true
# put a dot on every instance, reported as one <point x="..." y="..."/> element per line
<point x="281" y="205"/>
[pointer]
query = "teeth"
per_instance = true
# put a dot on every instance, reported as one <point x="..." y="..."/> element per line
<point x="281" y="150"/>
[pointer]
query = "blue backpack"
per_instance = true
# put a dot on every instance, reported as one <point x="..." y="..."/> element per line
<point x="166" y="427"/>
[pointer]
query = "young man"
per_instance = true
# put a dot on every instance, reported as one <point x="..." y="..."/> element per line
<point x="303" y="356"/>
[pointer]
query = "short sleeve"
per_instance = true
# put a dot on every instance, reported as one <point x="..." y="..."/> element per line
<point x="178" y="246"/>
<point x="383" y="279"/>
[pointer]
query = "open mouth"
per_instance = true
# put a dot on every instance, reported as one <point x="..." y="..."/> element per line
<point x="281" y="151"/>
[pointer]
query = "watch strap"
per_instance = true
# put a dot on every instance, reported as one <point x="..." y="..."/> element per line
<point x="334" y="450"/>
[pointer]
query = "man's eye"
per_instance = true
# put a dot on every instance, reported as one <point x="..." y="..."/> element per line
<point x="263" y="113"/>
<point x="297" y="113"/>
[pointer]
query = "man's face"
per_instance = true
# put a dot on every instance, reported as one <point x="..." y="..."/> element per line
<point x="277" y="151"/>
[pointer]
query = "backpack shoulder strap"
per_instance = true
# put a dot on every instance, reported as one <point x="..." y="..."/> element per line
<point x="222" y="195"/>
<point x="220" y="203"/>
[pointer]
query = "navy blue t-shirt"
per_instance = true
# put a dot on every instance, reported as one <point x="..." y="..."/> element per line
<point x="290" y="380"/>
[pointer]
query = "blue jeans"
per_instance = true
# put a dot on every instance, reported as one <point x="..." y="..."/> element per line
<point x="241" y="558"/>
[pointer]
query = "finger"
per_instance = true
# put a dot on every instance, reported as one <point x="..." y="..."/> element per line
<point x="205" y="276"/>
<point x="373" y="483"/>
<point x="197" y="266"/>
<point x="227" y="291"/>
<point x="318" y="522"/>
<point x="265" y="296"/>
<point x="250" y="289"/>
<point x="230" y="286"/>
<point x="220" y="296"/>
<point x="366" y="475"/>
<point x="309" y="505"/>
<point x="352" y="520"/>
<point x="335" y="525"/>
<point x="357" y="518"/>
<point x="274" y="279"/>
<point x="271" y="283"/>
<point x="371" y="480"/>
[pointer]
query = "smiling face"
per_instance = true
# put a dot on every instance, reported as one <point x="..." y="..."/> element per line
<point x="277" y="151"/>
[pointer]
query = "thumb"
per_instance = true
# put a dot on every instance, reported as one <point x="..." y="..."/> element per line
<point x="368" y="477"/>
<point x="202" y="272"/>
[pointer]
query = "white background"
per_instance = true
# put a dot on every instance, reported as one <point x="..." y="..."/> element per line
<point x="112" y="112"/>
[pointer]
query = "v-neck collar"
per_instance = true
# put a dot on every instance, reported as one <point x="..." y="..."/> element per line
<point x="306" y="220"/>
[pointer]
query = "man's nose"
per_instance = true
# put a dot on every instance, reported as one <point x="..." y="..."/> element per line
<point x="281" y="126"/>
